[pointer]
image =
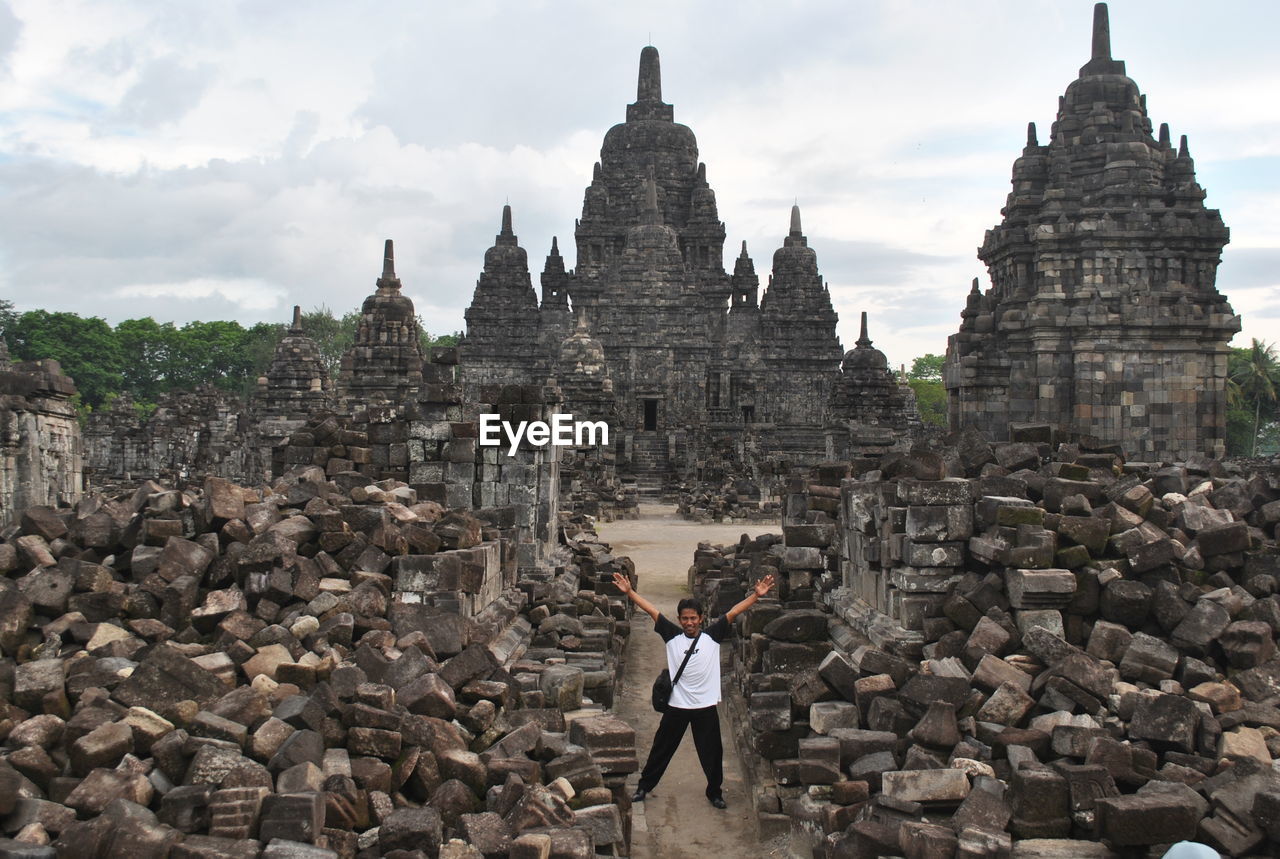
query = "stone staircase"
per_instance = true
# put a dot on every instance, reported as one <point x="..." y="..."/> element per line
<point x="649" y="464"/>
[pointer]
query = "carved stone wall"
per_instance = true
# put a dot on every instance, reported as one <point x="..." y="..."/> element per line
<point x="1103" y="316"/>
<point x="41" y="452"/>
<point x="188" y="436"/>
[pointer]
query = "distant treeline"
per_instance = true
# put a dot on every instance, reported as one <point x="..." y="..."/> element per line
<point x="148" y="359"/>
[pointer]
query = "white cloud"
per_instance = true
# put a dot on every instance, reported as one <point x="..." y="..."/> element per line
<point x="229" y="160"/>
<point x="249" y="293"/>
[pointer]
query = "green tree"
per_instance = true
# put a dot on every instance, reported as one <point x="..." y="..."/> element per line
<point x="260" y="342"/>
<point x="147" y="349"/>
<point x="333" y="335"/>
<point x="1253" y="379"/>
<point x="87" y="349"/>
<point x="927" y="368"/>
<point x="925" y="378"/>
<point x="429" y="341"/>
<point x="215" y="352"/>
<point x="8" y="318"/>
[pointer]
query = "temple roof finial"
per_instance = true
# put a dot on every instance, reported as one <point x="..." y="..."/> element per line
<point x="389" y="261"/>
<point x="1031" y="135"/>
<point x="864" y="341"/>
<point x="388" y="279"/>
<point x="795" y="220"/>
<point x="1101" y="33"/>
<point x="649" y="86"/>
<point x="297" y="318"/>
<point x="555" y="246"/>
<point x="506" y="221"/>
<point x="976" y="290"/>
<point x="1164" y="134"/>
<point x="744" y="249"/>
<point x="1183" y="150"/>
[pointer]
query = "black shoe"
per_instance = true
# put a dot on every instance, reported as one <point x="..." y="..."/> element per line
<point x="638" y="796"/>
<point x="718" y="801"/>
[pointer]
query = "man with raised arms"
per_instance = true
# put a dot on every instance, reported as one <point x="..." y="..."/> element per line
<point x="694" y="698"/>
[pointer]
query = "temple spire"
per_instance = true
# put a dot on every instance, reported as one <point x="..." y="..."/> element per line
<point x="795" y="221"/>
<point x="975" y="289"/>
<point x="389" y="279"/>
<point x="505" y="237"/>
<point x="744" y="249"/>
<point x="864" y="341"/>
<point x="1101" y="32"/>
<point x="649" y="86"/>
<point x="297" y="318"/>
<point x="1100" y="61"/>
<point x="1164" y="134"/>
<point x="1031" y="135"/>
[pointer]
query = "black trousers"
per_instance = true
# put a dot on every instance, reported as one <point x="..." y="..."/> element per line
<point x="706" y="739"/>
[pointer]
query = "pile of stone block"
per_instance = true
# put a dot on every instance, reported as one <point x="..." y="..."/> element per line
<point x="732" y="501"/>
<point x="1053" y="653"/>
<point x="324" y="668"/>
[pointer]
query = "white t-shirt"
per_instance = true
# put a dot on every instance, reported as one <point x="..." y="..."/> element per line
<point x="699" y="685"/>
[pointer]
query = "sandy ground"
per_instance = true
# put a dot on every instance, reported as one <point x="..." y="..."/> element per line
<point x="676" y="820"/>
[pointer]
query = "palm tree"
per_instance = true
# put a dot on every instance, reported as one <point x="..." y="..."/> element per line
<point x="1256" y="379"/>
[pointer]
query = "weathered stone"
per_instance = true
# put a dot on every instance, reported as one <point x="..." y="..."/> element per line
<point x="166" y="677"/>
<point x="1166" y="721"/>
<point x="1126" y="821"/>
<point x="1008" y="705"/>
<point x="1040" y="800"/>
<point x="1149" y="660"/>
<point x="1203" y="625"/>
<point x="1247" y="644"/>
<point x="1039" y="589"/>
<point x="292" y="816"/>
<point x="935" y="787"/>
<point x="798" y="626"/>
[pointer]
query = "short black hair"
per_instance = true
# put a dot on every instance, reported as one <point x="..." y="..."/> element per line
<point x="689" y="602"/>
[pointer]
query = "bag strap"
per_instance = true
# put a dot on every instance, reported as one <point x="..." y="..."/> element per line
<point x="687" y="654"/>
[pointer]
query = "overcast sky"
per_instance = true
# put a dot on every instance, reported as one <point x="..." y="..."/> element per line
<point x="227" y="160"/>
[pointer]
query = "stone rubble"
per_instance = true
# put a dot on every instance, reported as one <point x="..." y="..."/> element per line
<point x="1012" y="649"/>
<point x="325" y="668"/>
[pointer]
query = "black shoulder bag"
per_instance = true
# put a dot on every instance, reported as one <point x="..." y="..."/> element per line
<point x="661" y="694"/>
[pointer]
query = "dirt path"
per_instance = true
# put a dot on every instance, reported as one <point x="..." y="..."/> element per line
<point x="676" y="820"/>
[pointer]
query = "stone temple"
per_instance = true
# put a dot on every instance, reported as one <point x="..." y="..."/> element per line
<point x="1102" y="317"/>
<point x="696" y="355"/>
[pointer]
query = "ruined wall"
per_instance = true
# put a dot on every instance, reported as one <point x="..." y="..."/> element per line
<point x="1103" y="316"/>
<point x="189" y="435"/>
<point x="1052" y="644"/>
<point x="41" y="451"/>
<point x="431" y="443"/>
